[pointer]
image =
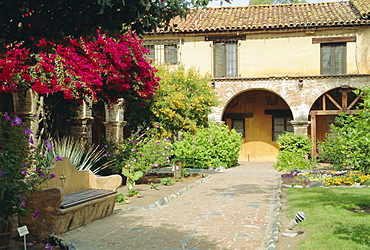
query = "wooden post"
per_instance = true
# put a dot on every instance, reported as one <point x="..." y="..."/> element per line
<point x="313" y="134"/>
<point x="178" y="170"/>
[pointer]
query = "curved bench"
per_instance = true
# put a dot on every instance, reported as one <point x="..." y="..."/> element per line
<point x="70" y="200"/>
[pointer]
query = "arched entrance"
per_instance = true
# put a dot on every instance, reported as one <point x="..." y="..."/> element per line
<point x="326" y="108"/>
<point x="260" y="116"/>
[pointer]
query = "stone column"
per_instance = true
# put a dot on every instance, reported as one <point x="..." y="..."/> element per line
<point x="81" y="125"/>
<point x="114" y="123"/>
<point x="300" y="127"/>
<point x="114" y="130"/>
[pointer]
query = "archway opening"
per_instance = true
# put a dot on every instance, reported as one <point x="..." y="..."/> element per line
<point x="260" y="116"/>
<point x="326" y="108"/>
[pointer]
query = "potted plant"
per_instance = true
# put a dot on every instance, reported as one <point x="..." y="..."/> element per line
<point x="22" y="168"/>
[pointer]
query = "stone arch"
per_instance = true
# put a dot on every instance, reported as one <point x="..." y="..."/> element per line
<point x="260" y="115"/>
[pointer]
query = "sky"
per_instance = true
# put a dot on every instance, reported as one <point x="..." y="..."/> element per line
<point x="216" y="3"/>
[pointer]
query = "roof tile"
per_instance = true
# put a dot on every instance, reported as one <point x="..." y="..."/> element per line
<point x="279" y="16"/>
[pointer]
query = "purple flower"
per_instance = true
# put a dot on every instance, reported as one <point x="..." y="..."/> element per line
<point x="23" y="204"/>
<point x="42" y="175"/>
<point x="154" y="152"/>
<point x="155" y="165"/>
<point x="48" y="246"/>
<point x="16" y="121"/>
<point x="32" y="147"/>
<point x="52" y="175"/>
<point x="142" y="154"/>
<point x="23" y="172"/>
<point x="36" y="214"/>
<point x="106" y="146"/>
<point x="48" y="145"/>
<point x="131" y="141"/>
<point x="132" y="150"/>
<point x="1" y="147"/>
<point x="165" y="147"/>
<point x="157" y="126"/>
<point x="24" y="165"/>
<point x="31" y="140"/>
<point x="59" y="158"/>
<point x="28" y="131"/>
<point x="38" y="169"/>
<point x="134" y="160"/>
<point x="29" y="244"/>
<point x="1" y="174"/>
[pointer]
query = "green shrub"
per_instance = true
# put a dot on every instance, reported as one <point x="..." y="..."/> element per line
<point x="142" y="152"/>
<point x="294" y="151"/>
<point x="348" y="141"/>
<point x="215" y="146"/>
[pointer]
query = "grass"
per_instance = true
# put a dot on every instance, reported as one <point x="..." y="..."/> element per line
<point x="329" y="222"/>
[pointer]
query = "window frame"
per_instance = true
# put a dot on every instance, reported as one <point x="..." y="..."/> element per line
<point x="243" y="124"/>
<point x="287" y="120"/>
<point x="167" y="55"/>
<point x="332" y="47"/>
<point x="151" y="48"/>
<point x="221" y="69"/>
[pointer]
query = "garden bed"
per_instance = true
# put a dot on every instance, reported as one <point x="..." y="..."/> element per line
<point x="325" y="178"/>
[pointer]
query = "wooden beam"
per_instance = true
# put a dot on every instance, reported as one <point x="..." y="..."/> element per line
<point x="354" y="102"/>
<point x="332" y="99"/>
<point x="323" y="102"/>
<point x="313" y="133"/>
<point x="334" y="112"/>
<point x="344" y="39"/>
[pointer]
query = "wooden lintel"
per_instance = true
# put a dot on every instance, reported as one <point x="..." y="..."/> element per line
<point x="333" y="112"/>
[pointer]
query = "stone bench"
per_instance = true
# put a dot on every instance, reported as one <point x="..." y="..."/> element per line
<point x="70" y="200"/>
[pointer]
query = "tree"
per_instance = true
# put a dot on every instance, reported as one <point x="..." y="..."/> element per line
<point x="263" y="2"/>
<point x="36" y="19"/>
<point x="184" y="100"/>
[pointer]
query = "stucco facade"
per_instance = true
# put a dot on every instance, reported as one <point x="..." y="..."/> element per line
<point x="280" y="69"/>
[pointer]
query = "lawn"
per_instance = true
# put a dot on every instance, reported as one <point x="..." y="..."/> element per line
<point x="336" y="217"/>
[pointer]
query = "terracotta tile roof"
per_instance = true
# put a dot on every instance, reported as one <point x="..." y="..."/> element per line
<point x="282" y="16"/>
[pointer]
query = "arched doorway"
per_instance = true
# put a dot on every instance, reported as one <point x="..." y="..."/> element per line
<point x="326" y="108"/>
<point x="260" y="116"/>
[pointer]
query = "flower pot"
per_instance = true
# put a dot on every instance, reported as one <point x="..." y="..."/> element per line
<point x="5" y="231"/>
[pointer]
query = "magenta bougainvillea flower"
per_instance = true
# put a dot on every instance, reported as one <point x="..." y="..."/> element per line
<point x="101" y="67"/>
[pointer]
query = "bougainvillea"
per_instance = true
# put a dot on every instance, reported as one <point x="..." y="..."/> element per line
<point x="102" y="68"/>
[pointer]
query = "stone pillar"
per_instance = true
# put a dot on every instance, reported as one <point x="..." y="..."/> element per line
<point x="114" y="130"/>
<point x="81" y="125"/>
<point x="300" y="127"/>
<point x="23" y="103"/>
<point x="114" y="123"/>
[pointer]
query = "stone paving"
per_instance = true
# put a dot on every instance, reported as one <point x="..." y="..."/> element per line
<point x="228" y="211"/>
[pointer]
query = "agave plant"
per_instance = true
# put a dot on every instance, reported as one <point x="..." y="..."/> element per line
<point x="80" y="153"/>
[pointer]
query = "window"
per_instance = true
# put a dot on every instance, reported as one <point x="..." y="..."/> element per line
<point x="225" y="59"/>
<point x="281" y="124"/>
<point x="238" y="125"/>
<point x="170" y="53"/>
<point x="151" y="49"/>
<point x="333" y="58"/>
